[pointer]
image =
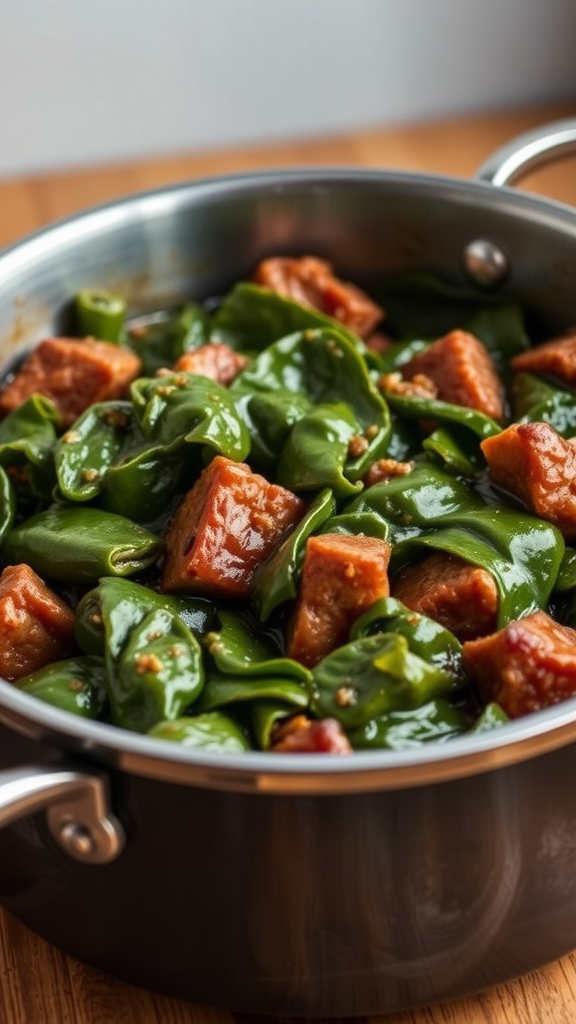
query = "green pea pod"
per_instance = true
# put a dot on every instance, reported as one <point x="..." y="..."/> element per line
<point x="239" y="649"/>
<point x="146" y="486"/>
<point x="420" y="408"/>
<point x="276" y="580"/>
<point x="7" y="504"/>
<point x="79" y="545"/>
<point x="99" y="314"/>
<point x="328" y="370"/>
<point x="371" y="676"/>
<point x="158" y="674"/>
<point x="86" y="452"/>
<point x="457" y="450"/>
<point x="191" y="408"/>
<point x="27" y="438"/>
<point x="425" y="637"/>
<point x="264" y="715"/>
<point x="76" y="685"/>
<point x="491" y="717"/>
<point x="269" y="418"/>
<point x="537" y="400"/>
<point x="153" y="660"/>
<point x="368" y="523"/>
<point x="160" y="341"/>
<point x="316" y="452"/>
<point x="221" y="690"/>
<point x="435" y="721"/>
<point x="566" y="578"/>
<point x="212" y="731"/>
<point x="251" y="318"/>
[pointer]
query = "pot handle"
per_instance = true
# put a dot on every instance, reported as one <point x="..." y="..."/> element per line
<point x="77" y="805"/>
<point x="528" y="151"/>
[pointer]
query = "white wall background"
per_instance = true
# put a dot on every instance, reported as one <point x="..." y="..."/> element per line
<point x="109" y="80"/>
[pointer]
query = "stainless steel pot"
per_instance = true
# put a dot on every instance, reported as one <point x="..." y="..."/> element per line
<point x="279" y="884"/>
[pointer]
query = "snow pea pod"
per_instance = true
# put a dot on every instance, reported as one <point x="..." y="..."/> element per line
<point x="241" y="650"/>
<point x="264" y="715"/>
<point x="425" y="637"/>
<point x="85" y="453"/>
<point x="100" y="314"/>
<point x="421" y="408"/>
<point x="154" y="667"/>
<point x="371" y="676"/>
<point x="436" y="721"/>
<point x="191" y="408"/>
<point x="7" y="504"/>
<point x="75" y="544"/>
<point x="76" y="685"/>
<point x="27" y="438"/>
<point x="535" y="399"/>
<point x="211" y="731"/>
<point x="221" y="690"/>
<point x="275" y="581"/>
<point x="251" y="317"/>
<point x="316" y="451"/>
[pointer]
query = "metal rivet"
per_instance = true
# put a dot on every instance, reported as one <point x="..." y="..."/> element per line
<point x="77" y="840"/>
<point x="485" y="262"/>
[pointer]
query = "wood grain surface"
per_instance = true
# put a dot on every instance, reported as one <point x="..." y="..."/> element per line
<point x="40" y="985"/>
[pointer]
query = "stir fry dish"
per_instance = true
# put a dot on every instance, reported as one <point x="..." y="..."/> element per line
<point x="299" y="519"/>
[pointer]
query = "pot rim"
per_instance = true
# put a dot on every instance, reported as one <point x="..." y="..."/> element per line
<point x="262" y="772"/>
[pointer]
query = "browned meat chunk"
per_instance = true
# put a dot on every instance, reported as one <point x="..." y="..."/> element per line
<point x="229" y="522"/>
<point x="36" y="626"/>
<point x="312" y="282"/>
<point x="300" y="735"/>
<point x="533" y="462"/>
<point x="556" y="357"/>
<point x="528" y="665"/>
<point x="73" y="374"/>
<point x="462" y="371"/>
<point x="460" y="596"/>
<point x="342" y="577"/>
<point x="217" y="361"/>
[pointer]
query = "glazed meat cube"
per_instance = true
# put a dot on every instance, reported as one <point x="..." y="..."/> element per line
<point x="556" y="357"/>
<point x="342" y="576"/>
<point x="36" y="626"/>
<point x="528" y="665"/>
<point x="300" y="735"/>
<point x="533" y="462"/>
<point x="461" y="369"/>
<point x="73" y="374"/>
<point x="460" y="596"/>
<point x="312" y="282"/>
<point x="217" y="361"/>
<point x="229" y="522"/>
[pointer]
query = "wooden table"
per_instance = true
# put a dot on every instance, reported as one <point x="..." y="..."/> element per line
<point x="38" y="984"/>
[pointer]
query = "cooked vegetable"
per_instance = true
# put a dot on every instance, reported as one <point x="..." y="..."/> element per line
<point x="336" y="541"/>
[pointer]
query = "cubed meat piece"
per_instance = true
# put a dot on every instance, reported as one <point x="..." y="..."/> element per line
<point x="461" y="369"/>
<point x="528" y="665"/>
<point x="342" y="576"/>
<point x="36" y="626"/>
<point x="460" y="596"/>
<point x="217" y="361"/>
<point x="556" y="357"/>
<point x="229" y="522"/>
<point x="312" y="282"/>
<point x="301" y="735"/>
<point x="536" y="464"/>
<point x="73" y="374"/>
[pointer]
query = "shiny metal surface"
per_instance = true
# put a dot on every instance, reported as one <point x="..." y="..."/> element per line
<point x="524" y="154"/>
<point x="77" y="805"/>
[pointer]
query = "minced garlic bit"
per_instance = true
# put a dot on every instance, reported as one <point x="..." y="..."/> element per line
<point x="349" y="571"/>
<point x="71" y="436"/>
<point x="164" y="390"/>
<point x="357" y="445"/>
<point x="372" y="431"/>
<point x="385" y="469"/>
<point x="90" y="476"/>
<point x="114" y="418"/>
<point x="345" y="696"/>
<point x="148" y="663"/>
<point x="176" y="651"/>
<point x="419" y="386"/>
